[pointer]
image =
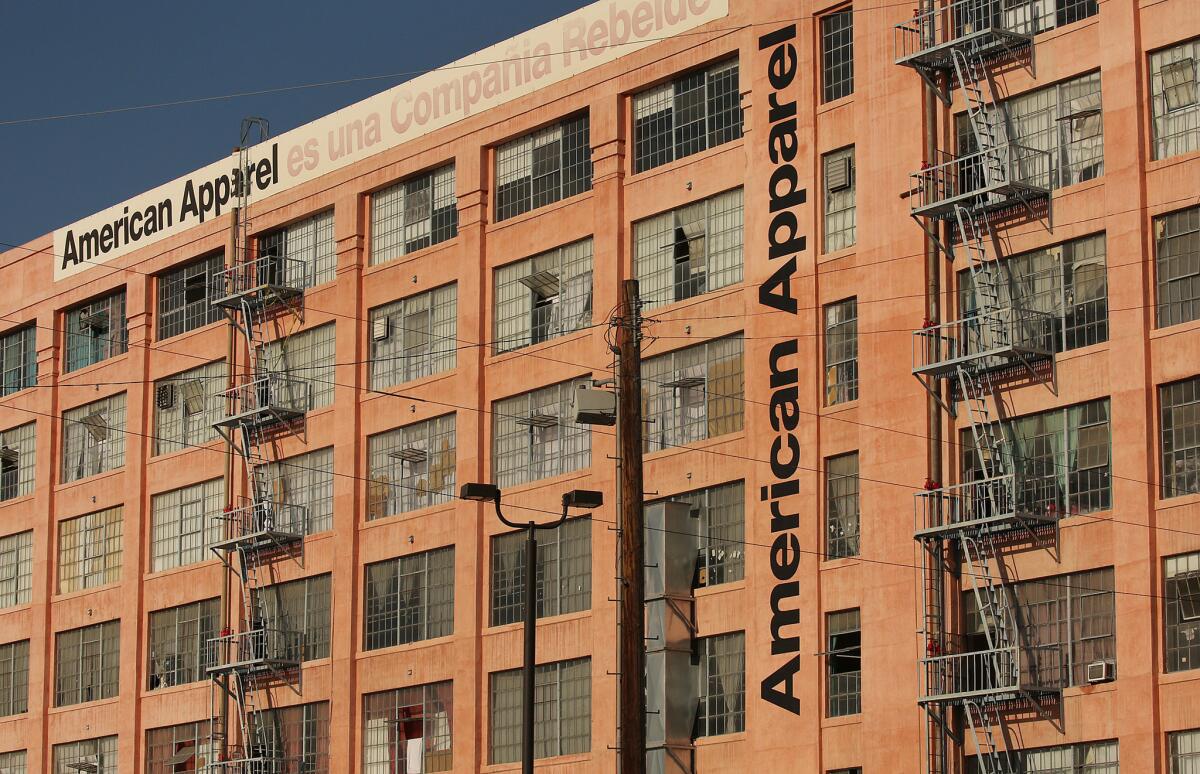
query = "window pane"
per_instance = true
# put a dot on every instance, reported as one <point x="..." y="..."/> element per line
<point x="694" y="393"/>
<point x="96" y="331"/>
<point x="408" y="729"/>
<point x="837" y="55"/>
<point x="93" y="438"/>
<point x="543" y="297"/>
<point x="564" y="572"/>
<point x="698" y="110"/>
<point x="411" y="467"/>
<point x="414" y="337"/>
<point x="409" y="599"/>
<point x="1174" y="88"/>
<point x="562" y="711"/>
<point x="722" y="684"/>
<point x="543" y="167"/>
<point x="184" y="301"/>
<point x="841" y="352"/>
<point x="18" y="360"/>
<point x="1177" y="263"/>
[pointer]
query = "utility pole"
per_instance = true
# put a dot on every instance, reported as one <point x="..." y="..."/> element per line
<point x="632" y="644"/>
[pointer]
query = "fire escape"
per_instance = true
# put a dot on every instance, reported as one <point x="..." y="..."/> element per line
<point x="974" y="673"/>
<point x="257" y="652"/>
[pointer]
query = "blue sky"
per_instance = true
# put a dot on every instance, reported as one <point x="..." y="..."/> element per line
<point x="69" y="57"/>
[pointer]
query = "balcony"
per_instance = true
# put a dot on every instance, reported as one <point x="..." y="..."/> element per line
<point x="248" y="760"/>
<point x="260" y="526"/>
<point x="257" y="652"/>
<point x="988" y="28"/>
<point x="983" y="343"/>
<point x="1002" y="674"/>
<point x="266" y="400"/>
<point x="991" y="181"/>
<point x="992" y="507"/>
<point x="261" y="283"/>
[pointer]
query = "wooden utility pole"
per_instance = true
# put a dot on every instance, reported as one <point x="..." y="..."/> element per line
<point x="632" y="644"/>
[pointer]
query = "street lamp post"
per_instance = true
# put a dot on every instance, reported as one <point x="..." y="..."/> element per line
<point x="576" y="498"/>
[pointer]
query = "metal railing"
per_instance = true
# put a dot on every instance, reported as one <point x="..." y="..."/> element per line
<point x="258" y="648"/>
<point x="1014" y="169"/>
<point x="276" y="394"/>
<point x="247" y="760"/>
<point x="265" y="275"/>
<point x="247" y="521"/>
<point x="1001" y="333"/>
<point x="990" y="505"/>
<point x="986" y="23"/>
<point x="1000" y="672"/>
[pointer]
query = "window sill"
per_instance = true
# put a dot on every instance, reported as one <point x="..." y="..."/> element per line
<point x="525" y="217"/>
<point x="543" y="622"/>
<point x="1080" y="691"/>
<point x="61" y="488"/>
<point x="18" y="500"/>
<point x="720" y="588"/>
<point x="1170" y="161"/>
<point x="21" y="608"/>
<point x="837" y="255"/>
<point x="148" y="693"/>
<point x="553" y="760"/>
<point x="834" y="104"/>
<point x="662" y="454"/>
<point x="840" y="562"/>
<point x="408" y="647"/>
<point x="370" y="269"/>
<point x="837" y="408"/>
<point x="683" y="161"/>
<point x="208" y="445"/>
<point x="1081" y="352"/>
<point x="1175" y="330"/>
<point x="376" y="392"/>
<point x="110" y="701"/>
<point x="182" y="337"/>
<point x="66" y="377"/>
<point x="716" y="739"/>
<point x="1178" y="501"/>
<point x="843" y="720"/>
<point x="1066" y="29"/>
<point x="403" y="516"/>
<point x="528" y="349"/>
<point x="1075" y="189"/>
<point x="69" y="595"/>
<point x="550" y="481"/>
<point x="202" y="565"/>
<point x="1179" y="676"/>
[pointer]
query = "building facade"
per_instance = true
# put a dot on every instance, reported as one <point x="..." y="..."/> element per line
<point x="1022" y="374"/>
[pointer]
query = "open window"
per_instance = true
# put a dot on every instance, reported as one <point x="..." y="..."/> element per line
<point x="1179" y="84"/>
<point x="9" y="476"/>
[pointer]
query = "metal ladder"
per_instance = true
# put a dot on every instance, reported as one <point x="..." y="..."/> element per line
<point x="971" y="72"/>
<point x="982" y="717"/>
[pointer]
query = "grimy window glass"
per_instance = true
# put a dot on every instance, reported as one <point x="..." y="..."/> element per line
<point x="182" y="524"/>
<point x="304" y="481"/>
<point x="562" y="698"/>
<point x="843" y="664"/>
<point x="301" y="605"/>
<point x="409" y="599"/>
<point x="543" y="167"/>
<point x="299" y="736"/>
<point x="694" y="393"/>
<point x="1185" y="751"/>
<point x="306" y="356"/>
<point x="533" y="436"/>
<point x="96" y="756"/>
<point x="185" y="407"/>
<point x="413" y="214"/>
<point x="89" y="550"/>
<point x="837" y="55"/>
<point x="689" y="251"/>
<point x="14" y="678"/>
<point x="841" y="506"/>
<point x="185" y="747"/>
<point x="18" y="360"/>
<point x="407" y="724"/>
<point x="1177" y="266"/>
<point x="1179" y="419"/>
<point x="414" y="337"/>
<point x="93" y="438"/>
<point x="564" y="572"/>
<point x="13" y="762"/>
<point x="185" y="296"/>
<point x="411" y="467"/>
<point x="840" y="183"/>
<point x="16" y="569"/>
<point x="722" y="684"/>
<point x="87" y="663"/>
<point x="841" y="352"/>
<point x="1175" y="99"/>
<point x="543" y="297"/>
<point x="722" y="514"/>
<point x="180" y="651"/>
<point x="696" y="111"/>
<point x="305" y="248"/>
<point x="96" y="331"/>
<point x="18" y="457"/>
<point x="1181" y="611"/>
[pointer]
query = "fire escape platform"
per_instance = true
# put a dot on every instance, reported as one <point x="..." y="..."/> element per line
<point x="994" y="526"/>
<point x="989" y="43"/>
<point x="266" y="539"/>
<point x="985" y="200"/>
<point x="994" y="359"/>
<point x="259" y="417"/>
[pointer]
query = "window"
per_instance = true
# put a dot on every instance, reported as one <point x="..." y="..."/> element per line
<point x="693" y="393"/>
<point x="86" y="663"/>
<point x="89" y="550"/>
<point x="96" y="756"/>
<point x="564" y="572"/>
<point x="186" y="406"/>
<point x="1179" y="404"/>
<point x="413" y="214"/>
<point x="1185" y="751"/>
<point x="93" y="438"/>
<point x="1175" y="99"/>
<point x="1083" y="758"/>
<point x="301" y="605"/>
<point x="690" y="251"/>
<point x="722" y="684"/>
<point x="843" y="664"/>
<point x="696" y="111"/>
<point x="185" y="747"/>
<point x="304" y="482"/>
<point x="841" y="180"/>
<point x="306" y="356"/>
<point x="1063" y="120"/>
<point x="1061" y="457"/>
<point x="545" y="296"/>
<point x="721" y="511"/>
<point x="183" y="524"/>
<point x="16" y="569"/>
<point x="184" y="297"/>
<point x="1177" y="264"/>
<point x="841" y="352"/>
<point x="180" y="651"/>
<point x="841" y="506"/>
<point x="13" y="762"/>
<point x="408" y="729"/>
<point x="411" y="467"/>
<point x="410" y="599"/>
<point x="18" y="360"/>
<point x="533" y="436"/>
<point x="14" y="679"/>
<point x="854" y="770"/>
<point x="837" y="55"/>
<point x="1182" y="612"/>
<point x="18" y="459"/>
<point x="96" y="331"/>
<point x="414" y="337"/>
<point x="562" y="697"/>
<point x="297" y="737"/>
<point x="1029" y="17"/>
<point x="543" y="167"/>
<point x="306" y="248"/>
<point x="1068" y="282"/>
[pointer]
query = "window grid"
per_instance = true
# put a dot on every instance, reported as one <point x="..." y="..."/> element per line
<point x="696" y="111"/>
<point x="1179" y="406"/>
<point x="13" y="762"/>
<point x="18" y="459"/>
<point x="1182" y="612"/>
<point x="14" y="679"/>
<point x="409" y="599"/>
<point x="297" y="736"/>
<point x="533" y="436"/>
<point x="183" y="524"/>
<point x="1175" y="99"/>
<point x="1082" y="758"/>
<point x="841" y="352"/>
<point x="418" y="339"/>
<point x="837" y="55"/>
<point x="840" y="184"/>
<point x="96" y="331"/>
<point x="722" y="519"/>
<point x="411" y="467"/>
<point x="722" y="684"/>
<point x="304" y="481"/>
<point x="843" y="664"/>
<point x="841" y="506"/>
<point x="302" y="606"/>
<point x="689" y="251"/>
<point x="406" y="725"/>
<point x="90" y="550"/>
<point x="562" y="698"/>
<point x="16" y="569"/>
<point x="184" y="297"/>
<point x="1185" y="751"/>
<point x="543" y="297"/>
<point x="413" y="214"/>
<point x="100" y="755"/>
<point x="307" y="243"/>
<point x="1177" y="266"/>
<point x="184" y="747"/>
<point x="180" y="647"/>
<point x="18" y="360"/>
<point x="694" y="393"/>
<point x="543" y="167"/>
<point x="308" y="355"/>
<point x="564" y="572"/>
<point x="185" y="407"/>
<point x="93" y="438"/>
<point x="86" y="664"/>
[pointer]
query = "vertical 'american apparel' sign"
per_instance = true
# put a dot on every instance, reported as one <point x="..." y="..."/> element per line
<point x="557" y="50"/>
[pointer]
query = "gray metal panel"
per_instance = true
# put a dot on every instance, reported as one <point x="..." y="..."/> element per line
<point x="672" y="543"/>
<point x="672" y="697"/>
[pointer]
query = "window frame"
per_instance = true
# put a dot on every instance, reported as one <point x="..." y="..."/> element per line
<point x="1184" y="283"/>
<point x="100" y="444"/>
<point x="389" y="211"/>
<point x="525" y="312"/>
<point x="839" y="207"/>
<point x="18" y="344"/>
<point x="510" y="167"/>
<point x="420" y="353"/>
<point x="314" y="615"/>
<point x="548" y="693"/>
<point x="674" y="405"/>
<point x="557" y="547"/>
<point x="840" y="351"/>
<point x="317" y="249"/>
<point x="843" y="685"/>
<point x="184" y="655"/>
<point x="14" y="678"/>
<point x="171" y="290"/>
<point x="716" y="128"/>
<point x="721" y="712"/>
<point x="434" y="700"/>
<point x="76" y="683"/>
<point x="384" y="599"/>
<point x="842" y="86"/>
<point x="83" y="345"/>
<point x="412" y="451"/>
<point x="523" y="447"/>
<point x="102" y="531"/>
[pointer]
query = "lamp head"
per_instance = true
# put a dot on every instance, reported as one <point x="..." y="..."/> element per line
<point x="586" y="499"/>
<point x="480" y="492"/>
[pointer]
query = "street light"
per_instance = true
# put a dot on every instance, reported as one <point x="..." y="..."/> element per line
<point x="585" y="499"/>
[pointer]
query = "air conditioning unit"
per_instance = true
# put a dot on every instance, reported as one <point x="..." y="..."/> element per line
<point x="1100" y="671"/>
<point x="164" y="396"/>
<point x="594" y="407"/>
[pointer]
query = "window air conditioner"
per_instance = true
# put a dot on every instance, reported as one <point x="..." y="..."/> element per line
<point x="1100" y="671"/>
<point x="164" y="396"/>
